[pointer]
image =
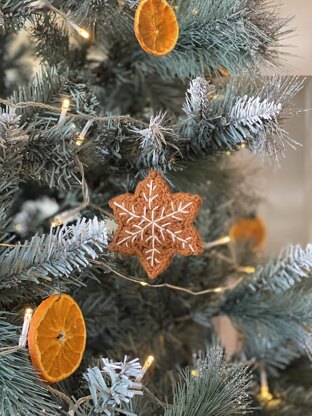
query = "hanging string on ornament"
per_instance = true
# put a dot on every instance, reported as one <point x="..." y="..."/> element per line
<point x="156" y="27"/>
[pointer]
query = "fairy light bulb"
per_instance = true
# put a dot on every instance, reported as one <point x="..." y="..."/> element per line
<point x="249" y="269"/>
<point x="65" y="108"/>
<point x="148" y="362"/>
<point x="221" y="241"/>
<point x="58" y="220"/>
<point x="82" y="32"/>
<point x="25" y="328"/>
<point x="66" y="104"/>
<point x="80" y="139"/>
<point x="225" y="240"/>
<point x="265" y="394"/>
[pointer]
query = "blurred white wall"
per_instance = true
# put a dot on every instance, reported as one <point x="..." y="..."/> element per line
<point x="287" y="210"/>
<point x="299" y="44"/>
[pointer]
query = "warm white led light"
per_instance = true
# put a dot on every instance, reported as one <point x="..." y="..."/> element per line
<point x="25" y="328"/>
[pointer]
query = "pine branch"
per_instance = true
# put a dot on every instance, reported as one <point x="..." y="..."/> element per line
<point x="46" y="154"/>
<point x="50" y="157"/>
<point x="8" y="187"/>
<point x="244" y="111"/>
<point x="49" y="86"/>
<point x="45" y="85"/>
<point x="234" y="34"/>
<point x="158" y="142"/>
<point x="10" y="129"/>
<point x="53" y="256"/>
<point x="16" y="13"/>
<point x="293" y="400"/>
<point x="21" y="391"/>
<point x="12" y="140"/>
<point x="115" y="13"/>
<point x="41" y="154"/>
<point x="48" y="29"/>
<point x="216" y="389"/>
<point x="278" y="275"/>
<point x="137" y="145"/>
<point x="273" y="307"/>
<point x="276" y="354"/>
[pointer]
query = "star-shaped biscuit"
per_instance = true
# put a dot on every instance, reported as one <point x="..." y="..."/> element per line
<point x="155" y="224"/>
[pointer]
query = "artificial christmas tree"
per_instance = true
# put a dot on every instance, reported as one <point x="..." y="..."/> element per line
<point x="125" y="96"/>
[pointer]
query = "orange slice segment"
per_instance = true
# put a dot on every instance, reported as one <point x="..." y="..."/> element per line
<point x="156" y="27"/>
<point x="57" y="338"/>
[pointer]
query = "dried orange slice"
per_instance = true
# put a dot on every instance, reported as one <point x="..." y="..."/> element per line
<point x="156" y="27"/>
<point x="251" y="230"/>
<point x="223" y="72"/>
<point x="57" y="338"/>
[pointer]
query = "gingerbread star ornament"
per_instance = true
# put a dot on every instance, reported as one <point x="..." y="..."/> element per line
<point x="155" y="224"/>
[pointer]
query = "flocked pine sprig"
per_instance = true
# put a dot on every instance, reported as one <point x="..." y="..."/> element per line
<point x="1" y="19"/>
<point x="252" y="113"/>
<point x="10" y="129"/>
<point x="243" y="111"/>
<point x="157" y="141"/>
<point x="56" y="255"/>
<point x="131" y="3"/>
<point x="292" y="266"/>
<point x="114" y="385"/>
<point x="198" y="101"/>
<point x="212" y="388"/>
<point x="199" y="113"/>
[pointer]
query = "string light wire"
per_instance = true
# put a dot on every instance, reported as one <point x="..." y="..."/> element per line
<point x="220" y="289"/>
<point x="57" y="110"/>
